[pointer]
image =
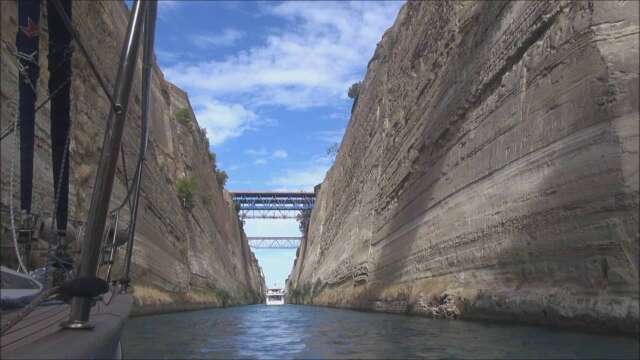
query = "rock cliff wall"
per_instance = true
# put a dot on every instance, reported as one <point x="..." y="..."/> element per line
<point x="182" y="257"/>
<point x="489" y="170"/>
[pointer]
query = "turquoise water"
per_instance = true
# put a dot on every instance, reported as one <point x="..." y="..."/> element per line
<point x="291" y="331"/>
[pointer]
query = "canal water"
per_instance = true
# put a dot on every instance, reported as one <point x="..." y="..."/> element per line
<point x="291" y="331"/>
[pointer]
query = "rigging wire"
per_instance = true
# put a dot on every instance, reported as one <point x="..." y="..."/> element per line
<point x="76" y="36"/>
<point x="24" y="312"/>
<point x="21" y="267"/>
<point x="52" y="250"/>
<point x="23" y="71"/>
<point x="12" y="128"/>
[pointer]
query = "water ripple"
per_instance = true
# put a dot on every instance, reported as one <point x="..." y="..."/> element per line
<point x="276" y="332"/>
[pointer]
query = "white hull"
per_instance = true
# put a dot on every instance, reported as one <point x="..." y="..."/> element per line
<point x="275" y="297"/>
<point x="275" y="302"/>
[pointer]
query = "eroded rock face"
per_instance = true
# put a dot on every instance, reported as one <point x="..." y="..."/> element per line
<point x="489" y="170"/>
<point x="197" y="256"/>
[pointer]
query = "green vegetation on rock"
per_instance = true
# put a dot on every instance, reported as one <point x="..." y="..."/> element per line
<point x="183" y="116"/>
<point x="186" y="186"/>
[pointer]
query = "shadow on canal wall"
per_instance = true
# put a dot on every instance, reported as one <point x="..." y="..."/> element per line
<point x="489" y="170"/>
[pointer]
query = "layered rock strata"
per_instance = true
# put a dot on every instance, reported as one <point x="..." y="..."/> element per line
<point x="184" y="257"/>
<point x="489" y="170"/>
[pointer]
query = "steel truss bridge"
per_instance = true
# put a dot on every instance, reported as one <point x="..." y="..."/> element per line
<point x="273" y="205"/>
<point x="274" y="242"/>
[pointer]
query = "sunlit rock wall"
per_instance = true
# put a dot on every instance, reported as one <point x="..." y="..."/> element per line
<point x="489" y="170"/>
<point x="182" y="257"/>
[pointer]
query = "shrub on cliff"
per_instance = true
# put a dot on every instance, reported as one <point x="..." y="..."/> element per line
<point x="183" y="116"/>
<point x="221" y="177"/>
<point x="212" y="159"/>
<point x="354" y="90"/>
<point x="186" y="186"/>
<point x="222" y="295"/>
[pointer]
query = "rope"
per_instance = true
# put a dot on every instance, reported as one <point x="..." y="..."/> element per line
<point x="8" y="130"/>
<point x="22" y="69"/>
<point x="76" y="36"/>
<point x="14" y="129"/>
<point x="13" y="221"/>
<point x="126" y="181"/>
<point x="52" y="95"/>
<point x="56" y="203"/>
<point x="11" y="128"/>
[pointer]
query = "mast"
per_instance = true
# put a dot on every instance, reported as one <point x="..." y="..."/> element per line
<point x="81" y="307"/>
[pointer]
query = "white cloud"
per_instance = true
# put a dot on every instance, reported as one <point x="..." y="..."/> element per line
<point x="280" y="154"/>
<point x="223" y="121"/>
<point x="260" y="161"/>
<point x="330" y="136"/>
<point x="228" y="37"/>
<point x="169" y="4"/>
<point x="168" y="57"/>
<point x="165" y="7"/>
<point x="302" y="178"/>
<point x="321" y="49"/>
<point x="256" y="152"/>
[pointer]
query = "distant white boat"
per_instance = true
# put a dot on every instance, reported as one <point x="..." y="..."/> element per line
<point x="275" y="297"/>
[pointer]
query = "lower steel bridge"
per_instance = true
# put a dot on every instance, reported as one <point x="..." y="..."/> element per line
<point x="274" y="242"/>
<point x="273" y="205"/>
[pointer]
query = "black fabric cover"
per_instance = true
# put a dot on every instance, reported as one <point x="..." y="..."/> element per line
<point x="88" y="287"/>
<point x="60" y="85"/>
<point x="27" y="45"/>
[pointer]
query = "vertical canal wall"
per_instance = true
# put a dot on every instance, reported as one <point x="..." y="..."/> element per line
<point x="183" y="257"/>
<point x="489" y="170"/>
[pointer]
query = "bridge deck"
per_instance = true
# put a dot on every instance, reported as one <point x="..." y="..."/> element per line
<point x="272" y="205"/>
<point x="272" y="194"/>
<point x="274" y="242"/>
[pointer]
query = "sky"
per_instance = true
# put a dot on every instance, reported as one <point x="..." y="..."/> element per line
<point x="268" y="81"/>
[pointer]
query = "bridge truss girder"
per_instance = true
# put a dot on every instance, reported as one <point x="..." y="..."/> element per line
<point x="273" y="205"/>
<point x="269" y="214"/>
<point x="274" y="242"/>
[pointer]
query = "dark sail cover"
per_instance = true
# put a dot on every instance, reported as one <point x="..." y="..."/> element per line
<point x="27" y="47"/>
<point x="59" y="87"/>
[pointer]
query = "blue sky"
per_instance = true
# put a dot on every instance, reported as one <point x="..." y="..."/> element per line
<point x="269" y="80"/>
